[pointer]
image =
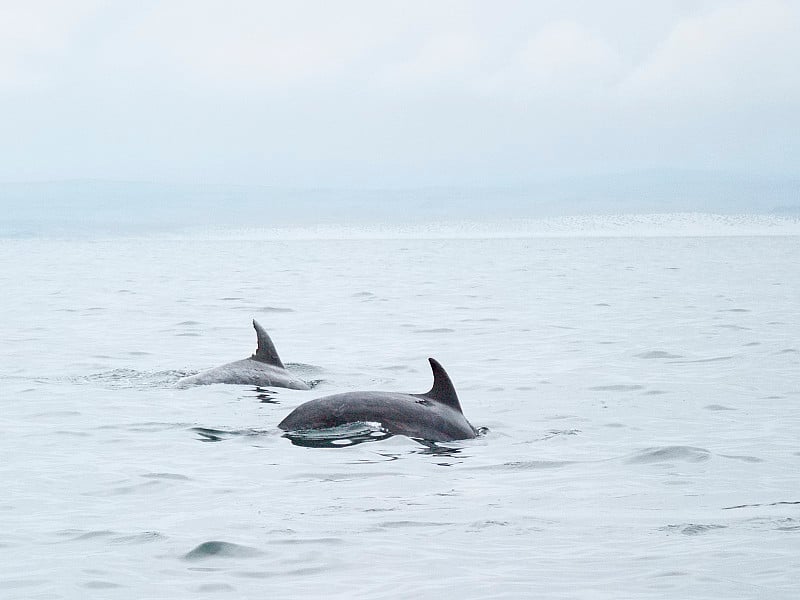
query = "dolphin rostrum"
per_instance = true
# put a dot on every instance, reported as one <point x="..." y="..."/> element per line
<point x="433" y="416"/>
<point x="264" y="368"/>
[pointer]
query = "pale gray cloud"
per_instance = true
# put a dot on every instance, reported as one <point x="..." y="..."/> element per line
<point x="374" y="93"/>
<point x="34" y="36"/>
<point x="739" y="51"/>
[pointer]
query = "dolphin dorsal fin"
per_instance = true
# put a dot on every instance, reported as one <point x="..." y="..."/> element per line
<point x="265" y="352"/>
<point x="442" y="390"/>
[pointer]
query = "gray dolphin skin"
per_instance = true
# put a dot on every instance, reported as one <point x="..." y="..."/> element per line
<point x="434" y="416"/>
<point x="264" y="368"/>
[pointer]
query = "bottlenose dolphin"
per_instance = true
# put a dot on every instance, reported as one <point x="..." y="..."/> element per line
<point x="434" y="416"/>
<point x="264" y="368"/>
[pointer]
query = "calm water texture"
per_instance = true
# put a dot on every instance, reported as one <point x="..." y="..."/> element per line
<point x="642" y="397"/>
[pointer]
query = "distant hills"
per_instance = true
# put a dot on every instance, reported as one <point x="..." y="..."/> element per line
<point x="87" y="207"/>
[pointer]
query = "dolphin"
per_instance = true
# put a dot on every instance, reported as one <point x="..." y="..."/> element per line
<point x="264" y="368"/>
<point x="434" y="416"/>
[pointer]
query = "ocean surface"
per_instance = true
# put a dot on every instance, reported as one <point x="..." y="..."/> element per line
<point x="641" y="396"/>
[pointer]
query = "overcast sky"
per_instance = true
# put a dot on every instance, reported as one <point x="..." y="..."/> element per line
<point x="381" y="93"/>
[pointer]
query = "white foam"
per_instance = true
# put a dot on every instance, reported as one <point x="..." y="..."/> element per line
<point x="623" y="225"/>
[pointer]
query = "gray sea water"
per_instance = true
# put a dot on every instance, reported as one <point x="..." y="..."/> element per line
<point x="641" y="394"/>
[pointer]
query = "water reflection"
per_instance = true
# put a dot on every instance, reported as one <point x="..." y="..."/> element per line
<point x="341" y="436"/>
<point x="209" y="434"/>
<point x="352" y="434"/>
<point x="266" y="396"/>
<point x="358" y="433"/>
<point x="437" y="450"/>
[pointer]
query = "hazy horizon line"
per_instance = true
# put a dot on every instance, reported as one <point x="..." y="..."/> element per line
<point x="507" y="183"/>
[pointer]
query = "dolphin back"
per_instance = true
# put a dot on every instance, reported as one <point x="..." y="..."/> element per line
<point x="434" y="416"/>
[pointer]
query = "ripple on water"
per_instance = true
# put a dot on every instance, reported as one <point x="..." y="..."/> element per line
<point x="702" y="360"/>
<point x="616" y="388"/>
<point x="131" y="378"/>
<point x="175" y="476"/>
<point x="220" y="549"/>
<point x="733" y="327"/>
<point x="788" y="524"/>
<point x="349" y="476"/>
<point x="208" y="434"/>
<point x="10" y="584"/>
<point x="692" y="528"/>
<point x="56" y="414"/>
<point x="113" y="537"/>
<point x="101" y="585"/>
<point x="411" y="524"/>
<point x="480" y="525"/>
<point x="559" y="432"/>
<point x="527" y="465"/>
<point x="670" y="453"/>
<point x="215" y="587"/>
<point x="145" y="427"/>
<point x="121" y="490"/>
<point x="658" y="354"/>
<point x="779" y="503"/>
<point x="86" y="535"/>
<point x="144" y="537"/>
<point x="325" y="541"/>
<point x="486" y="320"/>
<point x="742" y="457"/>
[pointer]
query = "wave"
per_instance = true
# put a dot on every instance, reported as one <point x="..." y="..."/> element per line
<point x="622" y="225"/>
